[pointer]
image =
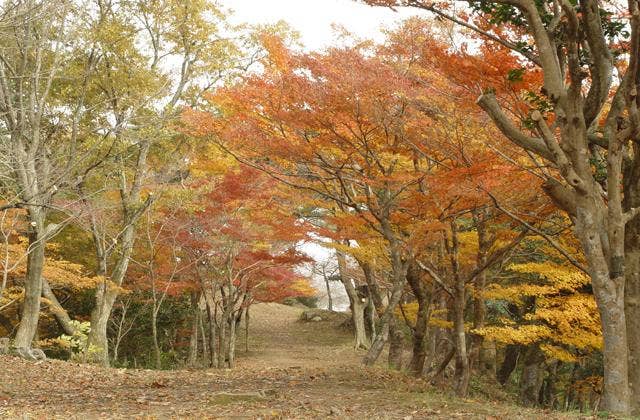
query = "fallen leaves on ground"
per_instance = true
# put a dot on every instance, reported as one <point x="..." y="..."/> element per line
<point x="283" y="378"/>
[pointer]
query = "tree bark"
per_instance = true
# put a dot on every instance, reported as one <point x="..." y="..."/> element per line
<point x="33" y="282"/>
<point x="355" y="302"/>
<point x="419" y="330"/>
<point x="462" y="372"/>
<point x="487" y="357"/>
<point x="193" y="339"/>
<point x="61" y="315"/>
<point x="97" y="341"/>
<point x="511" y="353"/>
<point x="329" y="297"/>
<point x="399" y="274"/>
<point x="396" y="344"/>
<point x="632" y="276"/>
<point x="479" y="306"/>
<point x="385" y="320"/>
<point x="532" y="377"/>
<point x="207" y="291"/>
<point x="154" y="335"/>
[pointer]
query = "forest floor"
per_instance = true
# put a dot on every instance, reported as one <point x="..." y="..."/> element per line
<point x="293" y="370"/>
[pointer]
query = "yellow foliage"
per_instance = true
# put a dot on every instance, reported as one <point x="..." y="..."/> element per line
<point x="523" y="334"/>
<point x="304" y="287"/>
<point x="564" y="317"/>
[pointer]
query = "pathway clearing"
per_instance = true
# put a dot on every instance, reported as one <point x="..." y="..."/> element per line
<point x="293" y="370"/>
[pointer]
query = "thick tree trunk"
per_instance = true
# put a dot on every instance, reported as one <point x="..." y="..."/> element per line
<point x="548" y="392"/>
<point x="632" y="277"/>
<point x="487" y="357"/>
<point x="357" y="314"/>
<point x="511" y="353"/>
<point x="399" y="277"/>
<point x="375" y="305"/>
<point x="607" y="270"/>
<point x="419" y="330"/>
<point x="611" y="307"/>
<point x="632" y="311"/>
<point x="211" y="320"/>
<point x="380" y="340"/>
<point x="32" y="284"/>
<point x="97" y="341"/>
<point x="462" y="372"/>
<point x="479" y="306"/>
<point x="370" y="319"/>
<point x="396" y="344"/>
<point x="356" y="304"/>
<point x="532" y="376"/>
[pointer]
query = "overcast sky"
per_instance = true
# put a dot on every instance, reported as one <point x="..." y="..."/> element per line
<point x="313" y="18"/>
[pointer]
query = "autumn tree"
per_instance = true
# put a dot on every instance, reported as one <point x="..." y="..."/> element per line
<point x="583" y="123"/>
<point x="138" y="94"/>
<point x="330" y="131"/>
<point x="42" y="46"/>
<point x="550" y="314"/>
<point x="239" y="241"/>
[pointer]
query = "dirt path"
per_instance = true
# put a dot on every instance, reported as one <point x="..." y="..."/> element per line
<point x="293" y="370"/>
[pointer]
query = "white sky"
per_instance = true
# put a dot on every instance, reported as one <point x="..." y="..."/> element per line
<point x="313" y="18"/>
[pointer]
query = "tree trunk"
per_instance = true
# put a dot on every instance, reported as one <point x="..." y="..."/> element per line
<point x="193" y="340"/>
<point x="439" y="373"/>
<point x="479" y="306"/>
<point x="370" y="319"/>
<point x="375" y="305"/>
<point x="532" y="376"/>
<point x="246" y="329"/>
<point x="211" y="319"/>
<point x="616" y="384"/>
<point x="511" y="353"/>
<point x="632" y="311"/>
<point x="107" y="293"/>
<point x="399" y="277"/>
<point x="57" y="310"/>
<point x="632" y="277"/>
<point x="607" y="270"/>
<point x="329" y="298"/>
<point x="462" y="372"/>
<point x="548" y="393"/>
<point x="33" y="283"/>
<point x="206" y="352"/>
<point x="385" y="320"/>
<point x="419" y="330"/>
<point x="231" y="342"/>
<point x="487" y="357"/>
<point x="154" y="334"/>
<point x="357" y="306"/>
<point x="223" y="334"/>
<point x="396" y="344"/>
<point x="357" y="313"/>
<point x="98" y="345"/>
